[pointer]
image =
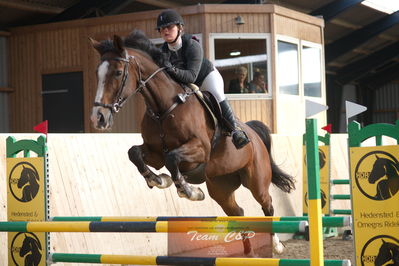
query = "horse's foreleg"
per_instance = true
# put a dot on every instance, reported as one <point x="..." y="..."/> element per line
<point x="153" y="180"/>
<point x="191" y="152"/>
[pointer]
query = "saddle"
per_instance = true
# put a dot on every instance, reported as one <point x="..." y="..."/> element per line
<point x="212" y="107"/>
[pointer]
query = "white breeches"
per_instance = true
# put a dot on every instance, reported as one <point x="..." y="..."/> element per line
<point x="214" y="84"/>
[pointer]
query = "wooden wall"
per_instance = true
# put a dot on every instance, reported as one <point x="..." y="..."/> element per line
<point x="64" y="47"/>
<point x="261" y="110"/>
<point x="91" y="175"/>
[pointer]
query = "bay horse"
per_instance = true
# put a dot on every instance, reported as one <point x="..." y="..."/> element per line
<point x="386" y="172"/>
<point x="178" y="131"/>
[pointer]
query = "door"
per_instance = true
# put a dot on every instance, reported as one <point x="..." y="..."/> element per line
<point x="63" y="102"/>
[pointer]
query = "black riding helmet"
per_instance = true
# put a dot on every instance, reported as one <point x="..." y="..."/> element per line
<point x="169" y="17"/>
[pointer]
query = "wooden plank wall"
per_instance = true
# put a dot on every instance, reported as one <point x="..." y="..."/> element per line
<point x="254" y="110"/>
<point x="90" y="174"/>
<point x="63" y="47"/>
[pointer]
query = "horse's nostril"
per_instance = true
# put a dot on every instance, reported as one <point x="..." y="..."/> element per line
<point x="100" y="118"/>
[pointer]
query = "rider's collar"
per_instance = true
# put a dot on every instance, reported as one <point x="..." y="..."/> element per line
<point x="177" y="45"/>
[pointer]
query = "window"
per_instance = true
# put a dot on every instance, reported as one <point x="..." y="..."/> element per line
<point x="243" y="63"/>
<point x="288" y="72"/>
<point x="311" y="71"/>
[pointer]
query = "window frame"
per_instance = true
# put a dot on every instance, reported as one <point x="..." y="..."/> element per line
<point x="322" y="72"/>
<point x="267" y="38"/>
<point x="291" y="40"/>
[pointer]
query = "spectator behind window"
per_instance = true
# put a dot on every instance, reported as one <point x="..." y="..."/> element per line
<point x="258" y="84"/>
<point x="239" y="84"/>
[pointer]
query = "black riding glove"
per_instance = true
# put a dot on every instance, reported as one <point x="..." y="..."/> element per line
<point x="169" y="67"/>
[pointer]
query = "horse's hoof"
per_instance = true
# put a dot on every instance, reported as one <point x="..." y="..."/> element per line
<point x="162" y="181"/>
<point x="197" y="194"/>
<point x="191" y="193"/>
<point x="278" y="246"/>
<point x="166" y="181"/>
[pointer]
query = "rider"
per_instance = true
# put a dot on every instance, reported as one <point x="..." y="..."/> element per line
<point x="186" y="64"/>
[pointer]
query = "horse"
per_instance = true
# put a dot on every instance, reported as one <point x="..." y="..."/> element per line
<point x="33" y="246"/>
<point x="388" y="252"/>
<point x="384" y="167"/>
<point x="29" y="181"/>
<point x="180" y="134"/>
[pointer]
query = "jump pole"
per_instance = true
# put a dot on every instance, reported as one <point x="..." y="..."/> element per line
<point x="330" y="221"/>
<point x="167" y="260"/>
<point x="313" y="170"/>
<point x="157" y="227"/>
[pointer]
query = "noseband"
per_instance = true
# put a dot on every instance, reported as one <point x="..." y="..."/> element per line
<point x="119" y="100"/>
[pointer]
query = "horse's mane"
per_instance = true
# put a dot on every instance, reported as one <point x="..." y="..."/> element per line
<point x="136" y="40"/>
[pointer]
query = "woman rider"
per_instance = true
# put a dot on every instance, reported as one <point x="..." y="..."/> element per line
<point x="187" y="64"/>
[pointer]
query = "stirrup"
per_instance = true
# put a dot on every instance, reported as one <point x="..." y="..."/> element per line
<point x="240" y="138"/>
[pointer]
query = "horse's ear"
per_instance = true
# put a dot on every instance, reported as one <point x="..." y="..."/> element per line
<point x="118" y="43"/>
<point x="376" y="156"/>
<point x="96" y="44"/>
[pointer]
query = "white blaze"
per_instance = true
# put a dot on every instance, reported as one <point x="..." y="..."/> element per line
<point x="102" y="72"/>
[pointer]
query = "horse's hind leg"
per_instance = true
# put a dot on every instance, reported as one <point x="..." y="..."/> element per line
<point x="221" y="189"/>
<point x="153" y="180"/>
<point x="191" y="152"/>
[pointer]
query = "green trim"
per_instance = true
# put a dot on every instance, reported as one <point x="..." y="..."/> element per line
<point x="357" y="134"/>
<point x="341" y="196"/>
<point x="14" y="227"/>
<point x="13" y="147"/>
<point x="340" y="181"/>
<point x="307" y="262"/>
<point x="325" y="139"/>
<point x="339" y="211"/>
<point x="77" y="218"/>
<point x="312" y="159"/>
<point x="286" y="227"/>
<point x="77" y="258"/>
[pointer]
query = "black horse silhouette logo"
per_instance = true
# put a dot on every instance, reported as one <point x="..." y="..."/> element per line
<point x="322" y="158"/>
<point x="29" y="183"/>
<point x="323" y="197"/>
<point x="388" y="253"/>
<point x="32" y="246"/>
<point x="385" y="173"/>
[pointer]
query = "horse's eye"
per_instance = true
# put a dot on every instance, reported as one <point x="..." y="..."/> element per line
<point x="118" y="73"/>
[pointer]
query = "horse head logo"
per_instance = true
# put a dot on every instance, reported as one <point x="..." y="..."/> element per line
<point x="26" y="249"/>
<point x="33" y="247"/>
<point x="25" y="183"/>
<point x="323" y="198"/>
<point x="385" y="173"/>
<point x="387" y="253"/>
<point x="322" y="158"/>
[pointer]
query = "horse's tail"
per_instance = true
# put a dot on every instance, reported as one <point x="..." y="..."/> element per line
<point x="282" y="180"/>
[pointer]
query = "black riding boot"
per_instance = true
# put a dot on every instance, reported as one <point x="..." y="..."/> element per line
<point x="240" y="138"/>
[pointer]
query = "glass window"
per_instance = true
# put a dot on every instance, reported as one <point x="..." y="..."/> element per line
<point x="288" y="78"/>
<point x="242" y="64"/>
<point x="311" y="71"/>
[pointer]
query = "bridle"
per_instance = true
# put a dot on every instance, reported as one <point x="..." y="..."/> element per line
<point x="119" y="100"/>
